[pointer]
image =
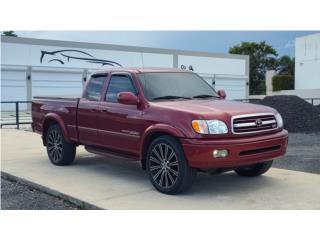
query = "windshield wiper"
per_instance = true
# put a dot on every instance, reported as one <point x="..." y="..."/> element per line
<point x="205" y="96"/>
<point x="170" y="97"/>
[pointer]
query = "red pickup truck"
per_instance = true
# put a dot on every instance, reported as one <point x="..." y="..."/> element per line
<point x="172" y="121"/>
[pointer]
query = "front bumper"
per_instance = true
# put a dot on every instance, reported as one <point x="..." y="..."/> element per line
<point x="242" y="151"/>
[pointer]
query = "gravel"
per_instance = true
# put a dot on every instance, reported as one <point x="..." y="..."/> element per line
<point x="298" y="115"/>
<point x="16" y="196"/>
<point x="303" y="153"/>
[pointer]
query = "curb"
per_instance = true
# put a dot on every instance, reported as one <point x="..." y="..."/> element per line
<point x="78" y="202"/>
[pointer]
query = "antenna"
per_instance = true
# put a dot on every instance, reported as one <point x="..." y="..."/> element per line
<point x="142" y="60"/>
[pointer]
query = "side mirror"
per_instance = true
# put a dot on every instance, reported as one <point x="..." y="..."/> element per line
<point x="127" y="98"/>
<point x="222" y="94"/>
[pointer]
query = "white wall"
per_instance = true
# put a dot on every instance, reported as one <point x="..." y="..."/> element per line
<point x="60" y="71"/>
<point x="307" y="65"/>
<point x="228" y="74"/>
<point x="25" y="54"/>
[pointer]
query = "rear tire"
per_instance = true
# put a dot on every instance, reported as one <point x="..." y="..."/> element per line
<point x="60" y="152"/>
<point x="167" y="166"/>
<point x="254" y="170"/>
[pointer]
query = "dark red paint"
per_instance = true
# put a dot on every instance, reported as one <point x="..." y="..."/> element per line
<point x="126" y="127"/>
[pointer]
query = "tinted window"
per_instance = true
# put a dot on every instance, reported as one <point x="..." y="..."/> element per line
<point x="119" y="83"/>
<point x="94" y="88"/>
<point x="184" y="85"/>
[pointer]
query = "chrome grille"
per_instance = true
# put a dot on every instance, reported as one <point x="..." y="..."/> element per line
<point x="251" y="123"/>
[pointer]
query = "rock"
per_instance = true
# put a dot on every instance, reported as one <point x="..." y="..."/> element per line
<point x="298" y="115"/>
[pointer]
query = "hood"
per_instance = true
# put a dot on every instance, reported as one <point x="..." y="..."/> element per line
<point x="210" y="107"/>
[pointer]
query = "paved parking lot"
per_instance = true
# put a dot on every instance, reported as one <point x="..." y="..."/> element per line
<point x="303" y="153"/>
<point x="111" y="184"/>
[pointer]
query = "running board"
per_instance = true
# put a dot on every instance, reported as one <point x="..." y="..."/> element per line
<point x="112" y="154"/>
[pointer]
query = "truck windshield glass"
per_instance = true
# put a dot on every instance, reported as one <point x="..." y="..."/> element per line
<point x="175" y="86"/>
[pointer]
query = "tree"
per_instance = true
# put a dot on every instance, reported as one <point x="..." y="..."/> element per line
<point x="286" y="65"/>
<point x="9" y="34"/>
<point x="262" y="58"/>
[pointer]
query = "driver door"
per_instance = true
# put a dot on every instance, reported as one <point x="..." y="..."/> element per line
<point x="119" y="124"/>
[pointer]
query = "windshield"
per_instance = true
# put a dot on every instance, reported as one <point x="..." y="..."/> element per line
<point x="181" y="85"/>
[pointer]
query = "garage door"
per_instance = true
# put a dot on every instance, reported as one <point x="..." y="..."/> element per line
<point x="13" y="87"/>
<point x="234" y="86"/>
<point x="56" y="82"/>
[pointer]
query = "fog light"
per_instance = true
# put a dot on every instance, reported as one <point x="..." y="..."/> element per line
<point x="220" y="153"/>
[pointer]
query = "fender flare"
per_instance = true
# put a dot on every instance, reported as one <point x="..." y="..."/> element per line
<point x="158" y="128"/>
<point x="55" y="117"/>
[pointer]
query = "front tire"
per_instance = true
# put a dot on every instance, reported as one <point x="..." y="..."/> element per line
<point x="60" y="152"/>
<point x="254" y="170"/>
<point x="167" y="166"/>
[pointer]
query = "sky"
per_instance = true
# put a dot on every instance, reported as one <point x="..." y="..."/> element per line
<point x="207" y="41"/>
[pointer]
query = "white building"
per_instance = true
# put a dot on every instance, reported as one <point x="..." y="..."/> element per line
<point x="307" y="64"/>
<point x="36" y="67"/>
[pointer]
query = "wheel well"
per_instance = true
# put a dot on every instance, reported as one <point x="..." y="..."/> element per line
<point x="147" y="142"/>
<point x="46" y="126"/>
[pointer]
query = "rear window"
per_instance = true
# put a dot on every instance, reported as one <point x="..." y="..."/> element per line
<point x="94" y="88"/>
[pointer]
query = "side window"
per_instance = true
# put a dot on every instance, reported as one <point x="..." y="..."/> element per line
<point x="94" y="88"/>
<point x="119" y="83"/>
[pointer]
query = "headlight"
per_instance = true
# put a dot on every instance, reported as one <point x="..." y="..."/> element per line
<point x="279" y="120"/>
<point x="209" y="126"/>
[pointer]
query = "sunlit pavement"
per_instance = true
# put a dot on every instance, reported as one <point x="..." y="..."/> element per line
<point x="110" y="184"/>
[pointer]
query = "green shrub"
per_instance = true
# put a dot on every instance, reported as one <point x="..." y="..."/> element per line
<point x="282" y="82"/>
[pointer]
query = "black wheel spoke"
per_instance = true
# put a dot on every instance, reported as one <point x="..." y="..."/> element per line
<point x="172" y="164"/>
<point x="170" y="177"/>
<point x="163" y="165"/>
<point x="157" y="174"/>
<point x="161" y="178"/>
<point x="55" y="146"/>
<point x="155" y="168"/>
<point x="161" y="151"/>
<point x="155" y="160"/>
<point x="166" y="179"/>
<point x="166" y="149"/>
<point x="155" y="151"/>
<point x="172" y="154"/>
<point x="173" y="171"/>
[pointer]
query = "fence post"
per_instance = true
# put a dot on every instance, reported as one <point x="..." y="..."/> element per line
<point x="312" y="101"/>
<point x="17" y="115"/>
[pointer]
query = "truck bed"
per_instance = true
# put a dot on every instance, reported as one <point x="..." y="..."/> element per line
<point x="62" y="108"/>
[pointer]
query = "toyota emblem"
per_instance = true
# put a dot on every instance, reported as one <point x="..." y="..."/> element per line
<point x="258" y="122"/>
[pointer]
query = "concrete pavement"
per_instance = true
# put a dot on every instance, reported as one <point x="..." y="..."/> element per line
<point x="111" y="184"/>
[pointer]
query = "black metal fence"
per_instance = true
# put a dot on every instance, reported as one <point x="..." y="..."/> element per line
<point x="15" y="113"/>
<point x="313" y="101"/>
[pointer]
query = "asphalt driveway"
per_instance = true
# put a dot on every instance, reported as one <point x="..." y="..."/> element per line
<point x="303" y="153"/>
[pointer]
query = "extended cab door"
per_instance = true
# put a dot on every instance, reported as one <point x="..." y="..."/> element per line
<point x="120" y="125"/>
<point x="88" y="110"/>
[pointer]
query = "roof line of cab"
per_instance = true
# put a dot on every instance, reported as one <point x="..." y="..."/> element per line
<point x="138" y="70"/>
